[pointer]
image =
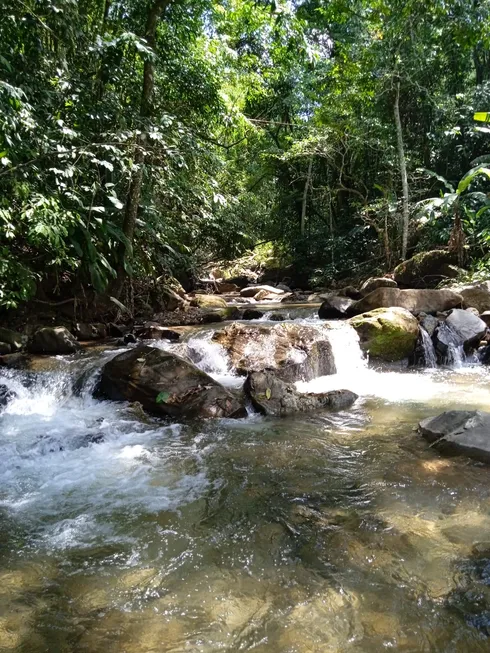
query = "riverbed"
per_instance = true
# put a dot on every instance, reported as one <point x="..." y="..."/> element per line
<point x="328" y="532"/>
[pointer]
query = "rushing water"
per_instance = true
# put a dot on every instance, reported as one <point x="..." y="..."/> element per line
<point x="330" y="532"/>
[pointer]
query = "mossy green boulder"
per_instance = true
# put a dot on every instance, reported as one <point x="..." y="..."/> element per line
<point x="209" y="302"/>
<point x="426" y="269"/>
<point x="389" y="334"/>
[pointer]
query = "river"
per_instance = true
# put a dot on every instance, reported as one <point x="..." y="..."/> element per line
<point x="329" y="532"/>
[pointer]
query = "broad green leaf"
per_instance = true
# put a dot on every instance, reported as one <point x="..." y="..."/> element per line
<point x="268" y="393"/>
<point x="482" y="116"/>
<point x="162" y="397"/>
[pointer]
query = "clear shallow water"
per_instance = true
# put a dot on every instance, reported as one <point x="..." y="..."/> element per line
<point x="327" y="532"/>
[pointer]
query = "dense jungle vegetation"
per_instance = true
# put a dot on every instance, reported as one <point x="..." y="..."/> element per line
<point x="141" y="139"/>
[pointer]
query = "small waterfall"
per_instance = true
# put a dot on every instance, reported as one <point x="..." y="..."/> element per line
<point x="428" y="349"/>
<point x="346" y="349"/>
<point x="455" y="356"/>
<point x="209" y="356"/>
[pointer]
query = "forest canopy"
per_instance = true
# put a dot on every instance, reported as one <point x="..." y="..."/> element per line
<point x="142" y="139"/>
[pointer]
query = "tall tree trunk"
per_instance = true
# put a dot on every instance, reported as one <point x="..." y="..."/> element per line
<point x="403" y="171"/>
<point x="305" y="198"/>
<point x="155" y="11"/>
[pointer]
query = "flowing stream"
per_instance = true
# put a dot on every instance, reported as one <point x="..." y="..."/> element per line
<point x="327" y="532"/>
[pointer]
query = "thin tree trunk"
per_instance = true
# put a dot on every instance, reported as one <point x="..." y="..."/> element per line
<point x="305" y="197"/>
<point x="134" y="192"/>
<point x="403" y="171"/>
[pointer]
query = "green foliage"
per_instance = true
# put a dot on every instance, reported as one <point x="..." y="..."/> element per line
<point x="266" y="122"/>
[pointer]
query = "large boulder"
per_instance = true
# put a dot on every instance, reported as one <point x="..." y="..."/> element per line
<point x="295" y="351"/>
<point x="427" y="301"/>
<point x="208" y="301"/>
<point x="389" y="334"/>
<point x="459" y="431"/>
<point x="166" y="384"/>
<point x="12" y="338"/>
<point x="253" y="291"/>
<point x="272" y="396"/>
<point x="377" y="282"/>
<point x="475" y="295"/>
<point x="52" y="340"/>
<point x="334" y="308"/>
<point x="426" y="270"/>
<point x="461" y="328"/>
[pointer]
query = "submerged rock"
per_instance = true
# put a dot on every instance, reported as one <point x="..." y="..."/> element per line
<point x="426" y="269"/>
<point x="334" y="308"/>
<point x="166" y="384"/>
<point x="272" y="396"/>
<point x="5" y="348"/>
<point x="461" y="328"/>
<point x="377" y="282"/>
<point x="416" y="301"/>
<point x="252" y="314"/>
<point x="295" y="351"/>
<point x="387" y="333"/>
<point x="52" y="340"/>
<point x="459" y="431"/>
<point x="6" y="395"/>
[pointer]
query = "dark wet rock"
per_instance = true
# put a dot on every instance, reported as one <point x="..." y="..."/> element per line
<point x="5" y="348"/>
<point x="349" y="291"/>
<point x="377" y="282"/>
<point x="90" y="331"/>
<point x="241" y="281"/>
<point x="6" y="395"/>
<point x="459" y="431"/>
<point x="152" y="331"/>
<point x="279" y="317"/>
<point x="334" y="308"/>
<point x="484" y="355"/>
<point x="12" y="338"/>
<point x="295" y="351"/>
<point x="116" y="330"/>
<point x="461" y="328"/>
<point x="387" y="333"/>
<point x="166" y="384"/>
<point x="426" y="269"/>
<point x="416" y="301"/>
<point x="272" y="396"/>
<point x="129" y="339"/>
<point x="485" y="316"/>
<point x="252" y="314"/>
<point x="52" y="340"/>
<point x="212" y="317"/>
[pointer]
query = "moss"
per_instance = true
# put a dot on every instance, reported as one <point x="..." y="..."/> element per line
<point x="389" y="334"/>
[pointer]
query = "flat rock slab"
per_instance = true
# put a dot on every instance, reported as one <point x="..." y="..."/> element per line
<point x="459" y="432"/>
